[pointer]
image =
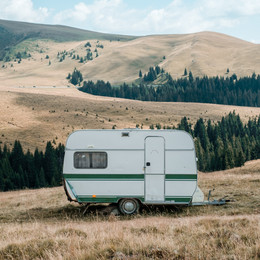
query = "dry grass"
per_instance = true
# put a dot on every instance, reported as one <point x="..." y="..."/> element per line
<point x="152" y="238"/>
<point x="35" y="115"/>
<point x="204" y="53"/>
<point x="41" y="224"/>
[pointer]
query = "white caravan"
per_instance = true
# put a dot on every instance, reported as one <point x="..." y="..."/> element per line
<point x="130" y="167"/>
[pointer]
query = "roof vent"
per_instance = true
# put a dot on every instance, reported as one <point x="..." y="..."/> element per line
<point x="125" y="134"/>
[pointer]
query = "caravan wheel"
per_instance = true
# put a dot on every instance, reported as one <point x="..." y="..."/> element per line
<point x="128" y="206"/>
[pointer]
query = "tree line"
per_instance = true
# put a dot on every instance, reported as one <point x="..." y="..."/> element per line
<point x="227" y="144"/>
<point x="244" y="91"/>
<point x="19" y="170"/>
<point x="223" y="145"/>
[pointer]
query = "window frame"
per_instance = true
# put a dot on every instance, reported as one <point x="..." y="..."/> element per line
<point x="91" y="158"/>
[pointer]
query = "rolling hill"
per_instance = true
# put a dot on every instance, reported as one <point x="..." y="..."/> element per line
<point x="117" y="58"/>
<point x="12" y="32"/>
<point x="35" y="115"/>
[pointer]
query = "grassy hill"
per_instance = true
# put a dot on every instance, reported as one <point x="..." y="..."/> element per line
<point x="42" y="224"/>
<point x="12" y="32"/>
<point x="117" y="58"/>
<point x="35" y="115"/>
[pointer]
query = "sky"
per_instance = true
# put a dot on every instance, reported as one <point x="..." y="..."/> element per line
<point x="238" y="18"/>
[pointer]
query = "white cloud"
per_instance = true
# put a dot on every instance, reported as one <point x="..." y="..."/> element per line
<point x="115" y="16"/>
<point x="235" y="7"/>
<point x="100" y="13"/>
<point x="22" y="10"/>
<point x="180" y="16"/>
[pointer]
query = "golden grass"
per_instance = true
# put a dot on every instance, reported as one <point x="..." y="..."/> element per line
<point x="205" y="53"/>
<point x="36" y="115"/>
<point x="152" y="238"/>
<point x="42" y="224"/>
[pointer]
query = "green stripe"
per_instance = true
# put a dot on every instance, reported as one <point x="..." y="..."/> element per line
<point x="127" y="176"/>
<point x="181" y="176"/>
<point x="178" y="199"/>
<point x="105" y="199"/>
<point x="115" y="199"/>
<point x="104" y="176"/>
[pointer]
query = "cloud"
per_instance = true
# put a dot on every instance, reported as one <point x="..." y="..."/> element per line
<point x="118" y="16"/>
<point x="180" y="16"/>
<point x="22" y="10"/>
<point x="101" y="14"/>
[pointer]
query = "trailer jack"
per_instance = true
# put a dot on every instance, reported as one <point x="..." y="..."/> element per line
<point x="221" y="201"/>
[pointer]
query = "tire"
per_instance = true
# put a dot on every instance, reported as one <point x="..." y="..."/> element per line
<point x="128" y="206"/>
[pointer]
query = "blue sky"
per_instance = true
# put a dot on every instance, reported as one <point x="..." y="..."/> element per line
<point x="239" y="18"/>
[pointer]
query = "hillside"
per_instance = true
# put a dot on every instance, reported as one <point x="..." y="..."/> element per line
<point x="12" y="32"/>
<point x="35" y="115"/>
<point x="42" y="224"/>
<point x="116" y="58"/>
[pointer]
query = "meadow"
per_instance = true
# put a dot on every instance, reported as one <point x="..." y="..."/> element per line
<point x="42" y="224"/>
<point x="35" y="115"/>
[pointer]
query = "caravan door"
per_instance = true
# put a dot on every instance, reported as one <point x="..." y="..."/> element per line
<point x="154" y="169"/>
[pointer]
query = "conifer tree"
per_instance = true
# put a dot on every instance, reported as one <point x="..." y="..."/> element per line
<point x="17" y="156"/>
<point x="50" y="165"/>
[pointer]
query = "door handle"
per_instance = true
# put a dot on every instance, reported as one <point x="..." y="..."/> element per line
<point x="148" y="164"/>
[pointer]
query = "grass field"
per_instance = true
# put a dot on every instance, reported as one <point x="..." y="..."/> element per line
<point x="42" y="224"/>
<point x="36" y="115"/>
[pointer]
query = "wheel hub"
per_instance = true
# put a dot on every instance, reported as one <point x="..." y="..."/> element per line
<point x="129" y="206"/>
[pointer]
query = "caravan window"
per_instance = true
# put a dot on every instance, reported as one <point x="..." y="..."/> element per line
<point x="90" y="160"/>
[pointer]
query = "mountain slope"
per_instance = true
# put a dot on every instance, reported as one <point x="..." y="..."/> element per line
<point x="12" y="32"/>
<point x="204" y="53"/>
<point x="35" y="115"/>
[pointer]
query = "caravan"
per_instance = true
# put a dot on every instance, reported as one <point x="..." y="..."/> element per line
<point x="131" y="167"/>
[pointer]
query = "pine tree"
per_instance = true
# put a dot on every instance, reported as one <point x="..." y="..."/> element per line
<point x="140" y="74"/>
<point x="190" y="77"/>
<point x="30" y="169"/>
<point x="1" y="180"/>
<point x="23" y="183"/>
<point x="50" y="165"/>
<point x="17" y="156"/>
<point x="69" y="76"/>
<point x="76" y="77"/>
<point x="8" y="175"/>
<point x="42" y="182"/>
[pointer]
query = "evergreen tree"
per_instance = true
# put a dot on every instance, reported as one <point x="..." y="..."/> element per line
<point x="76" y="77"/>
<point x="17" y="156"/>
<point x="244" y="91"/>
<point x="7" y="175"/>
<point x="50" y="165"/>
<point x="42" y="182"/>
<point x="190" y="77"/>
<point x="2" y="186"/>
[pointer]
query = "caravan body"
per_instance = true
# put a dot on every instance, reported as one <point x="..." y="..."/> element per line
<point x="147" y="166"/>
